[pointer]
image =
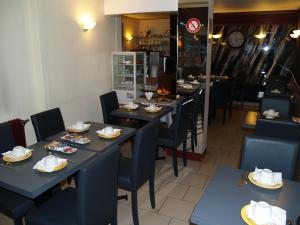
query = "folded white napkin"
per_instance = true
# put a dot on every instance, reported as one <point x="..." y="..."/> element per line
<point x="274" y="177"/>
<point x="187" y="86"/>
<point x="40" y="165"/>
<point x="134" y="106"/>
<point x="79" y="128"/>
<point x="277" y="217"/>
<point x="102" y="132"/>
<point x="153" y="108"/>
<point x="11" y="154"/>
<point x="268" y="114"/>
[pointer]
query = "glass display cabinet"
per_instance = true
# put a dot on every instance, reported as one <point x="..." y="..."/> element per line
<point x="129" y="75"/>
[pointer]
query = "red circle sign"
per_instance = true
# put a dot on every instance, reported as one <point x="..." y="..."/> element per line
<point x="193" y="25"/>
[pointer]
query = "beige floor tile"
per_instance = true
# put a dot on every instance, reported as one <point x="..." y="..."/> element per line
<point x="193" y="194"/>
<point x="144" y="201"/>
<point x="4" y="220"/>
<point x="208" y="170"/>
<point x="150" y="218"/>
<point x="193" y="179"/>
<point x="124" y="215"/>
<point x="173" y="189"/>
<point x="178" y="209"/>
<point x="178" y="222"/>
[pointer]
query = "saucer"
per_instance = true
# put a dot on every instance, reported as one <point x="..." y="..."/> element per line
<point x="79" y="130"/>
<point x="245" y="216"/>
<point x="266" y="186"/>
<point x="6" y="158"/>
<point x="135" y="106"/>
<point x="116" y="134"/>
<point x="155" y="110"/>
<point x="58" y="167"/>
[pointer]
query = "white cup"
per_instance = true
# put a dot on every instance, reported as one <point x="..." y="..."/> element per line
<point x="131" y="104"/>
<point x="262" y="212"/>
<point x="152" y="106"/>
<point x="266" y="176"/>
<point x="50" y="161"/>
<point x="271" y="112"/>
<point x="108" y="130"/>
<point x="79" y="124"/>
<point x="18" y="151"/>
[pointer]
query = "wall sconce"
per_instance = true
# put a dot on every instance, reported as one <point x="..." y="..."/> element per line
<point x="261" y="35"/>
<point x="128" y="38"/>
<point x="216" y="36"/>
<point x="86" y="23"/>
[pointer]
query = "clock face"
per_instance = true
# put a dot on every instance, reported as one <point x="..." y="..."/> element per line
<point x="236" y="39"/>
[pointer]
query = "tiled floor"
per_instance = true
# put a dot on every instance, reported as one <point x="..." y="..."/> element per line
<point x="177" y="196"/>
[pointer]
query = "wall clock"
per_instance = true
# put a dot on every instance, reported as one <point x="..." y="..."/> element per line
<point x="236" y="39"/>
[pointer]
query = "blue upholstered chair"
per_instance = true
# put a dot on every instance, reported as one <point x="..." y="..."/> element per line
<point x="93" y="202"/>
<point x="135" y="172"/>
<point x="278" y="155"/>
<point x="284" y="129"/>
<point x="11" y="204"/>
<point x="47" y="123"/>
<point x="281" y="105"/>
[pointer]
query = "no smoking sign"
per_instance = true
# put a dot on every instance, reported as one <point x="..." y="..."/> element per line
<point x="193" y="25"/>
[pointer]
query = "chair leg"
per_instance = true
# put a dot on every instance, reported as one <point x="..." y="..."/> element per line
<point x="134" y="207"/>
<point x="151" y="191"/>
<point x="193" y="139"/>
<point x="157" y="155"/>
<point x="185" y="151"/>
<point x="114" y="221"/>
<point x="175" y="165"/>
<point x="224" y="114"/>
<point x="18" y="221"/>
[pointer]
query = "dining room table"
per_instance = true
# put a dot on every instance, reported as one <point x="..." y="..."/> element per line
<point x="226" y="195"/>
<point x="97" y="143"/>
<point x="21" y="178"/>
<point x="141" y="114"/>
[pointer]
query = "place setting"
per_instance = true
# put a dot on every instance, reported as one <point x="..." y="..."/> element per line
<point x="266" y="178"/>
<point x="271" y="114"/>
<point x="17" y="154"/>
<point x="153" y="108"/>
<point x="50" y="163"/>
<point x="130" y="106"/>
<point x="262" y="213"/>
<point x="79" y="127"/>
<point x="109" y="132"/>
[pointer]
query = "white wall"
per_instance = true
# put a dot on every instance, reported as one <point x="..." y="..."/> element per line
<point x="46" y="61"/>
<point x="118" y="7"/>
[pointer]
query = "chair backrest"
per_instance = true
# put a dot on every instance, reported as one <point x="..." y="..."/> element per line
<point x="182" y="113"/>
<point x="144" y="153"/>
<point x="97" y="189"/>
<point x="281" y="105"/>
<point x="277" y="129"/>
<point x="7" y="140"/>
<point x="278" y="155"/>
<point x="276" y="86"/>
<point x="47" y="123"/>
<point x="109" y="103"/>
<point x="219" y="94"/>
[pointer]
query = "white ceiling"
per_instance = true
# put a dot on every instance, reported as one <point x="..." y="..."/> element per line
<point x="255" y="5"/>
